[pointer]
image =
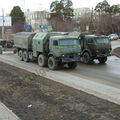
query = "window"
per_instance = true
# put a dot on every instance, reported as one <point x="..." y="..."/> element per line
<point x="55" y="43"/>
<point x="69" y="42"/>
<point x="101" y="40"/>
<point x="90" y="40"/>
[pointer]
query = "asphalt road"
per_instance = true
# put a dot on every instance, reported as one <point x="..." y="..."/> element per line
<point x="108" y="73"/>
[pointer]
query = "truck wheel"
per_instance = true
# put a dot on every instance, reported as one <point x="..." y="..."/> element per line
<point x="42" y="60"/>
<point x="20" y="54"/>
<point x="86" y="58"/>
<point x="25" y="56"/>
<point x="102" y="60"/>
<point x="72" y="65"/>
<point x="52" y="64"/>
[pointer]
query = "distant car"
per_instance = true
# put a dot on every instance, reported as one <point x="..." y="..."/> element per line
<point x="113" y="37"/>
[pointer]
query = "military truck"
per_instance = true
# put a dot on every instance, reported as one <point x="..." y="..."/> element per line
<point x="50" y="49"/>
<point x="93" y="47"/>
<point x="2" y="43"/>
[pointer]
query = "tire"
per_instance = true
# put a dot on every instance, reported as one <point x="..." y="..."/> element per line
<point x="52" y="64"/>
<point x="15" y="50"/>
<point x="25" y="56"/>
<point x="102" y="60"/>
<point x="72" y="65"/>
<point x="20" y="54"/>
<point x="86" y="58"/>
<point x="42" y="60"/>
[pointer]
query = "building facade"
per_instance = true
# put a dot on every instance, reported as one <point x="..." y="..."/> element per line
<point x="36" y="18"/>
<point x="78" y="12"/>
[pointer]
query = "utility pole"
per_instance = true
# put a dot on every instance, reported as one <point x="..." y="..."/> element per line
<point x="24" y="5"/>
<point x="3" y="23"/>
<point x="91" y="22"/>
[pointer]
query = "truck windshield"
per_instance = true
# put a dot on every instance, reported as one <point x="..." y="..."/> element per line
<point x="68" y="42"/>
<point x="101" y="40"/>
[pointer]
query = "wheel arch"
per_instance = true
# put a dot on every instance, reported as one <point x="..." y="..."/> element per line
<point x="87" y="52"/>
<point x="51" y="54"/>
<point x="38" y="53"/>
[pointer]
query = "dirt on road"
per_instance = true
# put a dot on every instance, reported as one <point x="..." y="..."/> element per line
<point x="33" y="97"/>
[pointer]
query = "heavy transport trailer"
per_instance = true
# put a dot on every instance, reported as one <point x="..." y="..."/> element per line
<point x="93" y="47"/>
<point x="51" y="49"/>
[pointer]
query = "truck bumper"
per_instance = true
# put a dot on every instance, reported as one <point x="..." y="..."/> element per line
<point x="67" y="59"/>
<point x="103" y="55"/>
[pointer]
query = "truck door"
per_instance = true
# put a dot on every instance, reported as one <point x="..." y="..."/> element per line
<point x="90" y="44"/>
<point x="82" y="44"/>
<point x="54" y="47"/>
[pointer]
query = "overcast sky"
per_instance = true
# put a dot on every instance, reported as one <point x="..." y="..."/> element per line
<point x="33" y="5"/>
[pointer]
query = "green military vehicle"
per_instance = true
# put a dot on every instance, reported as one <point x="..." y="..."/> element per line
<point x="93" y="47"/>
<point x="2" y="43"/>
<point x="50" y="49"/>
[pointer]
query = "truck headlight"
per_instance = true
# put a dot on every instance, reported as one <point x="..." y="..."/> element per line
<point x="63" y="55"/>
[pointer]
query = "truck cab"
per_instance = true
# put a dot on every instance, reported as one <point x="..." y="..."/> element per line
<point x="64" y="48"/>
<point x="95" y="47"/>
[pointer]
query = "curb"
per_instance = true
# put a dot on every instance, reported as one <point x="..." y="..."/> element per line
<point x="6" y="113"/>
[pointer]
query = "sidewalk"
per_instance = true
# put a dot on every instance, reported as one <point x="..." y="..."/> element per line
<point x="6" y="114"/>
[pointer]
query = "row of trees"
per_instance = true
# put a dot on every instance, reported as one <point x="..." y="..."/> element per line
<point x="58" y="9"/>
<point x="18" y="19"/>
<point x="62" y="9"/>
<point x="107" y="18"/>
<point x="103" y="19"/>
<point x="61" y="14"/>
<point x="104" y="7"/>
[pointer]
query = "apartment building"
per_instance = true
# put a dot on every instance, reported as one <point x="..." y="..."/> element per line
<point x="36" y="18"/>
